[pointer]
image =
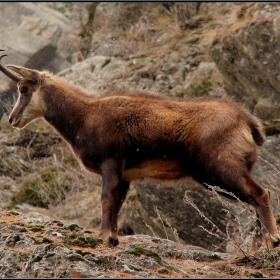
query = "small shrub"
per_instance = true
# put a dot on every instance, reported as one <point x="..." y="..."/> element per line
<point x="198" y="90"/>
<point x="47" y="189"/>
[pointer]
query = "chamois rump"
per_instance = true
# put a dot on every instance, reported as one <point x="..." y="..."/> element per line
<point x="125" y="136"/>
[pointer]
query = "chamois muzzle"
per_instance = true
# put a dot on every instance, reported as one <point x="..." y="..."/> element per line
<point x="7" y="72"/>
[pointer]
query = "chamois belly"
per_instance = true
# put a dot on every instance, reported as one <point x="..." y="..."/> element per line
<point x="160" y="169"/>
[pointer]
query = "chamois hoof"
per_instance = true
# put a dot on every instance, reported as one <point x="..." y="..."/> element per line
<point x="111" y="241"/>
<point x="272" y="242"/>
<point x="275" y="242"/>
<point x="264" y="241"/>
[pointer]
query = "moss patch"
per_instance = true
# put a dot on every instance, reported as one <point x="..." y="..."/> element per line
<point x="12" y="213"/>
<point x="163" y="271"/>
<point x="141" y="251"/>
<point x="82" y="240"/>
<point x="132" y="195"/>
<point x="35" y="227"/>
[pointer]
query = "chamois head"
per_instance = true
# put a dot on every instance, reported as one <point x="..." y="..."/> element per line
<point x="29" y="105"/>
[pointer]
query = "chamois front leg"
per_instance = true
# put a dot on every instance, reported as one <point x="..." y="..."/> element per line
<point x="114" y="191"/>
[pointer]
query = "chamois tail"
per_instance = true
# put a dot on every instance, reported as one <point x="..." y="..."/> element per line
<point x="257" y="132"/>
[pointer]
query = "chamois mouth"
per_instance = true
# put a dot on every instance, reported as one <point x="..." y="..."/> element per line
<point x="15" y="122"/>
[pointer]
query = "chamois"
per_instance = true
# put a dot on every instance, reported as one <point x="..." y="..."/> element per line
<point x="125" y="136"/>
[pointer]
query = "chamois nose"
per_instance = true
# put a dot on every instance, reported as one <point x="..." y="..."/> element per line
<point x="10" y="120"/>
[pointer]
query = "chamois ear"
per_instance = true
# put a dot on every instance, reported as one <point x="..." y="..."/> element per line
<point x="26" y="73"/>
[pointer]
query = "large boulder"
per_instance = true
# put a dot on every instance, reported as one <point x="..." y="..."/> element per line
<point x="247" y="56"/>
<point x="30" y="35"/>
<point x="39" y="37"/>
<point x="167" y="209"/>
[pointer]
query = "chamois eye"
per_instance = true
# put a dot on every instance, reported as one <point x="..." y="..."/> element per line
<point x="23" y="90"/>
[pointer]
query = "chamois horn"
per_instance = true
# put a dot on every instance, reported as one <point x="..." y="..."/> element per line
<point x="7" y="72"/>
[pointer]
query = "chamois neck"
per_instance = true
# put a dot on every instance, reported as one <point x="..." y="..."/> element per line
<point x="65" y="105"/>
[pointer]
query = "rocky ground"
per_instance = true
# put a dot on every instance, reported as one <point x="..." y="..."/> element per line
<point x="35" y="246"/>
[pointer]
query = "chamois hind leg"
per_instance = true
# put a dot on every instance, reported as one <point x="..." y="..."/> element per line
<point x="249" y="191"/>
<point x="232" y="171"/>
<point x="260" y="199"/>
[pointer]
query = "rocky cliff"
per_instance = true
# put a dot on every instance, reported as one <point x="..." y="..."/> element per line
<point x="178" y="49"/>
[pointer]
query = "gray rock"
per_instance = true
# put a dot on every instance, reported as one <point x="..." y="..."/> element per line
<point x="247" y="58"/>
<point x="25" y="254"/>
